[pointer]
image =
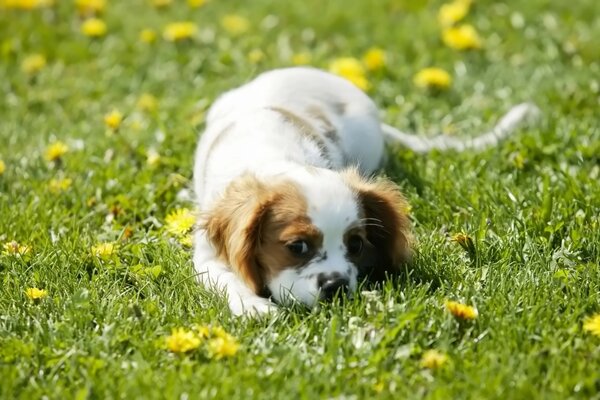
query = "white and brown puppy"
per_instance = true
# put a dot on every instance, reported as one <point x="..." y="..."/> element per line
<point x="288" y="211"/>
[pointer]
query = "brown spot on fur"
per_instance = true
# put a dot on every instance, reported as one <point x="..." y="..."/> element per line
<point x="251" y="224"/>
<point x="328" y="128"/>
<point x="388" y="227"/>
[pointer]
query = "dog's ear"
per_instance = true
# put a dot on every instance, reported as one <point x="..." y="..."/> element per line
<point x="387" y="223"/>
<point x="233" y="227"/>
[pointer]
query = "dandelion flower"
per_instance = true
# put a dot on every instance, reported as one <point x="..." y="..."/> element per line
<point x="103" y="250"/>
<point x="26" y="4"/>
<point x="180" y="221"/>
<point x="196" y="3"/>
<point x="433" y="359"/>
<point x="182" y="341"/>
<point x="374" y="59"/>
<point x="220" y="347"/>
<point x="147" y="36"/>
<point x="59" y="185"/>
<point x="235" y="24"/>
<point x="179" y="31"/>
<point x="351" y="69"/>
<point x="451" y="13"/>
<point x="147" y="102"/>
<point x="435" y="78"/>
<point x="463" y="37"/>
<point x="33" y="64"/>
<point x="592" y="324"/>
<point x="93" y="27"/>
<point x="14" y="248"/>
<point x="2" y="167"/>
<point x="303" y="58"/>
<point x="35" y="293"/>
<point x="113" y="120"/>
<point x="461" y="311"/>
<point x="465" y="242"/>
<point x="55" y="151"/>
<point x="90" y="7"/>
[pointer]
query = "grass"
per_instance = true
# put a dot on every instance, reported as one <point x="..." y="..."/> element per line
<point x="531" y="206"/>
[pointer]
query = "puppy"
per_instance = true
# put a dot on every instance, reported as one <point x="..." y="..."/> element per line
<point x="288" y="210"/>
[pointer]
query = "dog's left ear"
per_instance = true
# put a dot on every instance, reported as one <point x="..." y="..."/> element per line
<point x="387" y="223"/>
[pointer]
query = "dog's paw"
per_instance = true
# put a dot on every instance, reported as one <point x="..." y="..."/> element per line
<point x="253" y="307"/>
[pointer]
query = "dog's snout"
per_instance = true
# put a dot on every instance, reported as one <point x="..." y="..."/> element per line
<point x="332" y="284"/>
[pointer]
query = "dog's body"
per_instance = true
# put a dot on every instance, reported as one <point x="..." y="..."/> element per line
<point x="280" y="180"/>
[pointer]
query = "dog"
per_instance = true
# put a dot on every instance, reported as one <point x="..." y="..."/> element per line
<point x="289" y="210"/>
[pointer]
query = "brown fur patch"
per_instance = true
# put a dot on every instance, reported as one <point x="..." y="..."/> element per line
<point x="388" y="227"/>
<point x="328" y="129"/>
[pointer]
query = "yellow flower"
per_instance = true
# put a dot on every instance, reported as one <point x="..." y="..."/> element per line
<point x="90" y="7"/>
<point x="463" y="37"/>
<point x="374" y="59"/>
<point x="33" y="64"/>
<point x="235" y="24"/>
<point x="301" y="58"/>
<point x="161" y="3"/>
<point x="433" y="359"/>
<point x="255" y="56"/>
<point x="2" y="167"/>
<point x="220" y="347"/>
<point x="93" y="27"/>
<point x="113" y="120"/>
<point x="351" y="69"/>
<point x="103" y="250"/>
<point x="461" y="311"/>
<point x="59" y="185"/>
<point x="179" y="31"/>
<point x="25" y="4"/>
<point x="55" y="151"/>
<point x="36" y="294"/>
<point x="147" y="36"/>
<point x="451" y="13"/>
<point x="152" y="158"/>
<point x="196" y="3"/>
<point x="180" y="221"/>
<point x="16" y="249"/>
<point x="182" y="341"/>
<point x="433" y="78"/>
<point x="465" y="242"/>
<point x="592" y="324"/>
<point x="147" y="102"/>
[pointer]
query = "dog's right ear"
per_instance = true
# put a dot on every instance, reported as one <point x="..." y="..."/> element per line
<point x="233" y="227"/>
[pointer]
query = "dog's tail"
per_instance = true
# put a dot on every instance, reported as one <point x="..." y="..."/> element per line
<point x="506" y="126"/>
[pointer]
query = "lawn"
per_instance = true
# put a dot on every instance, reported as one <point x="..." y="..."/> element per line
<point x="98" y="124"/>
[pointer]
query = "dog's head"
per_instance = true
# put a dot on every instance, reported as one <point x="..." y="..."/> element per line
<point x="311" y="234"/>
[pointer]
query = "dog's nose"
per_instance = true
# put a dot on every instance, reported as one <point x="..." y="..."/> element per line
<point x="331" y="285"/>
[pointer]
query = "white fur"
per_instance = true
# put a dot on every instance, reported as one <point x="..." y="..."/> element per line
<point x="245" y="134"/>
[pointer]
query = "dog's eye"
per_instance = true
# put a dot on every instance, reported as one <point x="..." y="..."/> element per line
<point x="354" y="245"/>
<point x="298" y="247"/>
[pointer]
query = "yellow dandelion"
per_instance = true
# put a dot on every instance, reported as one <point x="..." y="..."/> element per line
<point x="55" y="151"/>
<point x="147" y="103"/>
<point x="182" y="341"/>
<point x="152" y="158"/>
<point x="461" y="311"/>
<point x="25" y="4"/>
<point x="2" y="167"/>
<point x="465" y="242"/>
<point x="255" y="56"/>
<point x="235" y="24"/>
<point x="202" y="331"/>
<point x="14" y="248"/>
<point x="147" y="36"/>
<point x="196" y="3"/>
<point x="33" y="64"/>
<point x="435" y="78"/>
<point x="90" y="7"/>
<point x="180" y="221"/>
<point x="93" y="27"/>
<point x="161" y="3"/>
<point x="451" y="13"/>
<point x="113" y="120"/>
<point x="303" y="58"/>
<point x="592" y="324"/>
<point x="351" y="69"/>
<point x="433" y="359"/>
<point x="374" y="59"/>
<point x="59" y="185"/>
<point x="220" y="347"/>
<point x="35" y="293"/>
<point x="463" y="37"/>
<point x="103" y="250"/>
<point x="179" y="31"/>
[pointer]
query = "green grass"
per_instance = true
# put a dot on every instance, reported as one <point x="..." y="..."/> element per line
<point x="532" y="206"/>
